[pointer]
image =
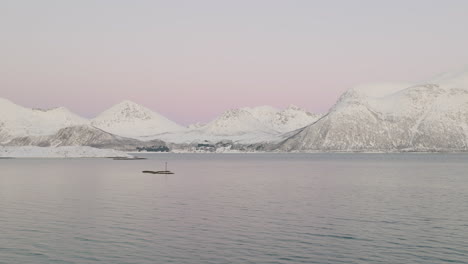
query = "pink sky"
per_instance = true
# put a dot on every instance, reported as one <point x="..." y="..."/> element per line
<point x="191" y="60"/>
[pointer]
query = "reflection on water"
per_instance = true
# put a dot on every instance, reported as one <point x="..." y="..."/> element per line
<point x="236" y="208"/>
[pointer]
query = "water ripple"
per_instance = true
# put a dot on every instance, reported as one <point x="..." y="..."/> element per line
<point x="306" y="208"/>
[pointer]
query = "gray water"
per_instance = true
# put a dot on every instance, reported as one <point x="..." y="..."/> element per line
<point x="236" y="208"/>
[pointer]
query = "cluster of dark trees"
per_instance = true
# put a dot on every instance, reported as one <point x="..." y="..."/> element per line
<point x="154" y="149"/>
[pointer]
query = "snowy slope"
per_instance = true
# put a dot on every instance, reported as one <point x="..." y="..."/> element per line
<point x="239" y="121"/>
<point x="238" y="125"/>
<point x="84" y="135"/>
<point x="292" y="118"/>
<point x="452" y="80"/>
<point x="59" y="152"/>
<point x="129" y="119"/>
<point x="426" y="117"/>
<point x="245" y="125"/>
<point x="124" y="126"/>
<point x="200" y="136"/>
<point x="18" y="121"/>
<point x="261" y="118"/>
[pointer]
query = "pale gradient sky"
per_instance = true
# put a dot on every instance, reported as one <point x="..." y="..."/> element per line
<point x="191" y="60"/>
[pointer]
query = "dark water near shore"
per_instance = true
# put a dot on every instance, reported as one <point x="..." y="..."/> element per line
<point x="236" y="208"/>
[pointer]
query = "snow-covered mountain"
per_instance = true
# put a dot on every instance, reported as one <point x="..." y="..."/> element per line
<point x="245" y="125"/>
<point x="292" y="118"/>
<point x="261" y="118"/>
<point x="125" y="125"/>
<point x="241" y="121"/>
<point x="431" y="116"/>
<point x="425" y="117"/>
<point x="196" y="125"/>
<point x="129" y="119"/>
<point x="18" y="121"/>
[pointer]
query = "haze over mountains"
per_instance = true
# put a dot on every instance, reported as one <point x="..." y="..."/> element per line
<point x="432" y="116"/>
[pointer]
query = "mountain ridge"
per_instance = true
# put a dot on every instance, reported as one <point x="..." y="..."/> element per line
<point x="17" y="121"/>
<point x="424" y="117"/>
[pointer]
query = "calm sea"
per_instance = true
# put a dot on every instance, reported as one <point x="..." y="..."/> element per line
<point x="236" y="208"/>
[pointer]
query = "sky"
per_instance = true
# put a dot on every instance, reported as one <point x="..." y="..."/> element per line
<point x="192" y="60"/>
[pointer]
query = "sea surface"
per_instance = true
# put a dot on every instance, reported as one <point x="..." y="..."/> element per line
<point x="236" y="208"/>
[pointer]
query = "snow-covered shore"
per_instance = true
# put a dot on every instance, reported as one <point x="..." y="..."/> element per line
<point x="59" y="152"/>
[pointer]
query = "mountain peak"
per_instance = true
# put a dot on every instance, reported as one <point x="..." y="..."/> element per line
<point x="19" y="121"/>
<point x="260" y="119"/>
<point x="127" y="103"/>
<point x="127" y="110"/>
<point x="59" y="109"/>
<point x="262" y="110"/>
<point x="197" y="125"/>
<point x="294" y="108"/>
<point x="130" y="119"/>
